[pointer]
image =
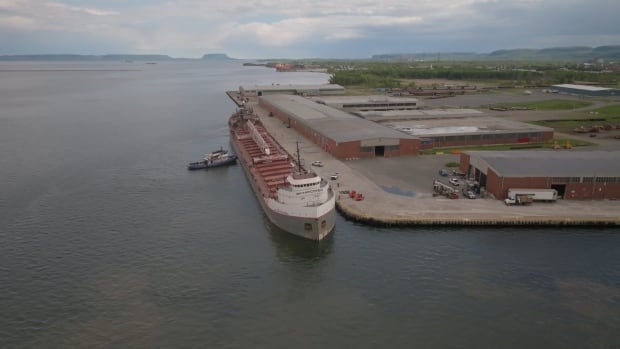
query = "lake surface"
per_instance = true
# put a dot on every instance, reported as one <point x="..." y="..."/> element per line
<point x="106" y="240"/>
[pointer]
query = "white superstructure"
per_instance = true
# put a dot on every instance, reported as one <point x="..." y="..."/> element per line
<point x="306" y="197"/>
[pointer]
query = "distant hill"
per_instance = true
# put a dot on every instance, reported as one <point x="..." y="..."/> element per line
<point x="109" y="57"/>
<point x="575" y="53"/>
<point x="138" y="57"/>
<point x="451" y="56"/>
<point x="216" y="57"/>
<point x="70" y="57"/>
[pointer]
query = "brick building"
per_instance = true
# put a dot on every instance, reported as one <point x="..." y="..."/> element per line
<point x="339" y="133"/>
<point x="574" y="174"/>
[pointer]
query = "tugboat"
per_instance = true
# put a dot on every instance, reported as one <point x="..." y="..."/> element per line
<point x="216" y="158"/>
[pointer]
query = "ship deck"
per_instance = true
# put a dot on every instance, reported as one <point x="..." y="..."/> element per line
<point x="268" y="171"/>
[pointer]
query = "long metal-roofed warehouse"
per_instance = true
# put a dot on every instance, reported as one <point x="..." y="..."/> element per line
<point x="574" y="174"/>
<point x="302" y="90"/>
<point x="459" y="127"/>
<point x="339" y="133"/>
<point x="365" y="103"/>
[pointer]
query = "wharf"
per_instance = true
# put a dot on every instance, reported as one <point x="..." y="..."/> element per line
<point x="383" y="208"/>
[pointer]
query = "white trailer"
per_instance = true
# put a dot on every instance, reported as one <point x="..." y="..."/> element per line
<point x="536" y="194"/>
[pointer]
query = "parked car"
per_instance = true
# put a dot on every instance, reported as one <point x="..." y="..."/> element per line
<point x="458" y="174"/>
<point x="317" y="163"/>
<point x="334" y="176"/>
<point x="444" y="173"/>
<point x="454" y="181"/>
<point x="469" y="194"/>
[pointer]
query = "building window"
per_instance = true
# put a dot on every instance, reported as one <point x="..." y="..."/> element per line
<point x="560" y="179"/>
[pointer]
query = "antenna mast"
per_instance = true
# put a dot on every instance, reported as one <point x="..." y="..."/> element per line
<point x="298" y="158"/>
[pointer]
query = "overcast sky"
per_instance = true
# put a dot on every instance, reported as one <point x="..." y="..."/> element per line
<point x="302" y="28"/>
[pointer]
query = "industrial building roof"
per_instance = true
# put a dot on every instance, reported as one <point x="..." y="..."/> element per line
<point x="379" y="115"/>
<point x="332" y="123"/>
<point x="370" y="100"/>
<point x="281" y="87"/>
<point x="551" y="163"/>
<point x="426" y="124"/>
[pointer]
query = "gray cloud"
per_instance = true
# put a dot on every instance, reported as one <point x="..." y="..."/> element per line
<point x="302" y="28"/>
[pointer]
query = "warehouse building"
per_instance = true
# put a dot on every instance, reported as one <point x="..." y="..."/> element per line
<point x="574" y="174"/>
<point x="339" y="133"/>
<point x="365" y="103"/>
<point x="439" y="128"/>
<point x="301" y="90"/>
<point x="585" y="90"/>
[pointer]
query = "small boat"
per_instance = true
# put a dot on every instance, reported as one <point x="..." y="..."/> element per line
<point x="216" y="158"/>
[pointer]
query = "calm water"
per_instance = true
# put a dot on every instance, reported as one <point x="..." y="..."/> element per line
<point x="106" y="240"/>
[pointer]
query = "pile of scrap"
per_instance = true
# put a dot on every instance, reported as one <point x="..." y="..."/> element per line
<point x="440" y="188"/>
<point x="595" y="128"/>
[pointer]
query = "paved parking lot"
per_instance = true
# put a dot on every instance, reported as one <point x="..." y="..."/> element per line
<point x="411" y="175"/>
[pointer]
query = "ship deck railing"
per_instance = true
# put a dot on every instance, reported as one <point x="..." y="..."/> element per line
<point x="268" y="158"/>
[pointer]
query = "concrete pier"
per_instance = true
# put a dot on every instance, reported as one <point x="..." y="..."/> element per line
<point x="383" y="208"/>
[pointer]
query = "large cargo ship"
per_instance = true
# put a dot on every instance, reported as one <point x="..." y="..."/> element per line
<point x="295" y="199"/>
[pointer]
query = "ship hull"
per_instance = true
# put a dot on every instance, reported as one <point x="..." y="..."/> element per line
<point x="310" y="228"/>
<point x="313" y="228"/>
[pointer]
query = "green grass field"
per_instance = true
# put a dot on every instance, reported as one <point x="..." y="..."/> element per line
<point x="609" y="114"/>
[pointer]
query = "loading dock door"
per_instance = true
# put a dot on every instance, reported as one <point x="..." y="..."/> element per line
<point x="483" y="180"/>
<point x="380" y="150"/>
<point x="561" y="188"/>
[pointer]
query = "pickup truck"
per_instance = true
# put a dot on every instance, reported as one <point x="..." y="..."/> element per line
<point x="519" y="199"/>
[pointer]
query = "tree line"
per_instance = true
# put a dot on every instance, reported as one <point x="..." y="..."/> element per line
<point x="392" y="75"/>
